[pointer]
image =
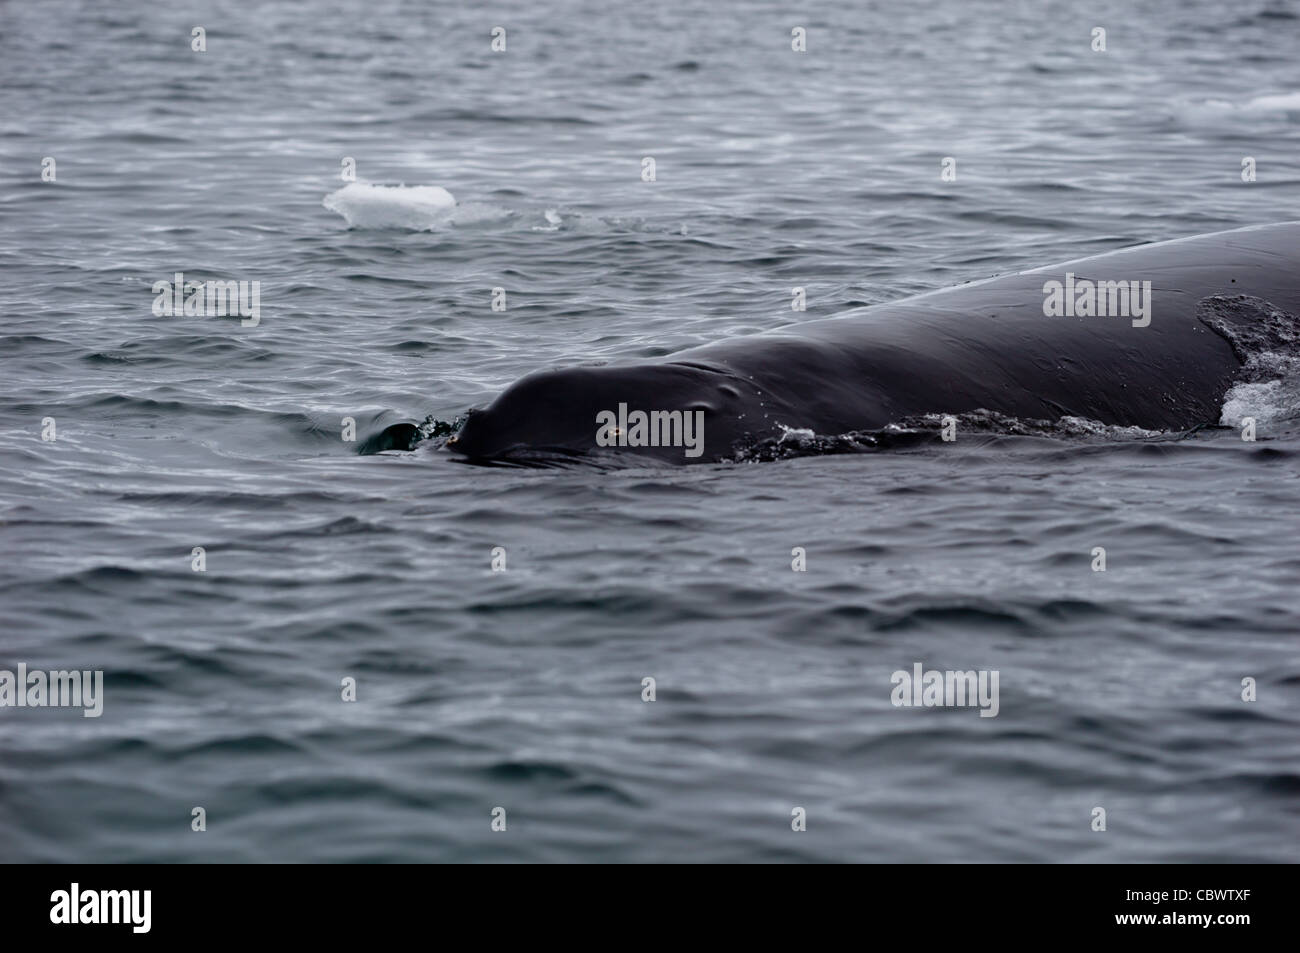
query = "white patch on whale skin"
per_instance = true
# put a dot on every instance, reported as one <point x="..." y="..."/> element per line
<point x="415" y="207"/>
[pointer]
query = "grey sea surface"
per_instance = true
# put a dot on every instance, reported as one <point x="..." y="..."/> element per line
<point x="523" y="689"/>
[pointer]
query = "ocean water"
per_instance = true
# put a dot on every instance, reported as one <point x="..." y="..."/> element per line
<point x="522" y="689"/>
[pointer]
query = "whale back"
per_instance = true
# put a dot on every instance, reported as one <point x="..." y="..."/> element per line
<point x="994" y="345"/>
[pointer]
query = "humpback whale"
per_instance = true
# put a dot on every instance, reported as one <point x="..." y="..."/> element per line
<point x="1138" y="337"/>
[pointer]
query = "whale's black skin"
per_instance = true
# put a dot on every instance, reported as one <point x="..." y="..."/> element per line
<point x="986" y="345"/>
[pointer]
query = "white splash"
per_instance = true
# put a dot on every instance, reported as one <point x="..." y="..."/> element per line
<point x="795" y="433"/>
<point x="1267" y="401"/>
<point x="415" y="207"/>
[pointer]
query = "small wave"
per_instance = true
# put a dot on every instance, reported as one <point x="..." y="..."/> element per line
<point x="414" y="207"/>
<point x="1270" y="392"/>
<point x="424" y="208"/>
<point x="1281" y="102"/>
